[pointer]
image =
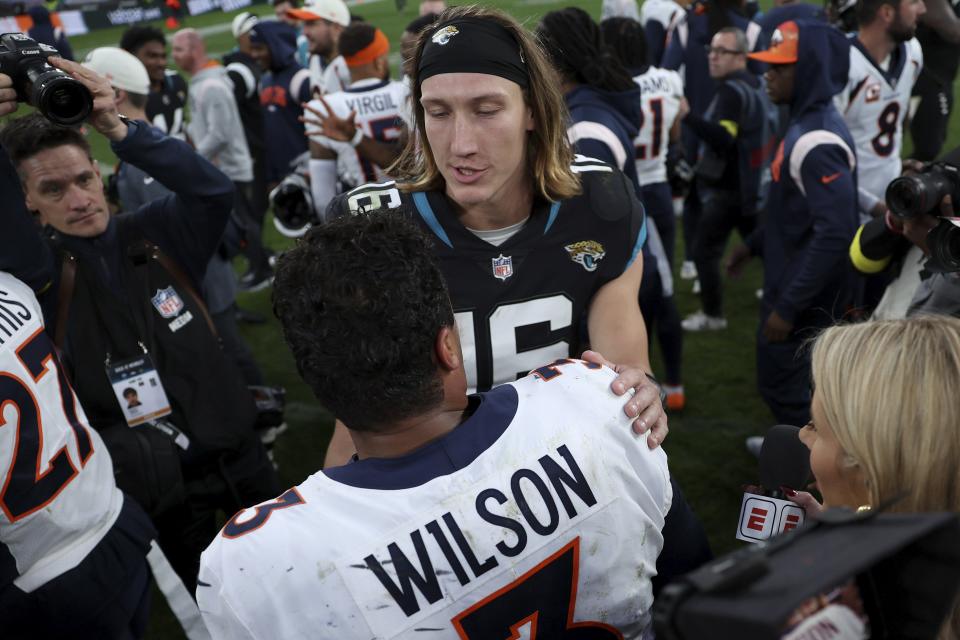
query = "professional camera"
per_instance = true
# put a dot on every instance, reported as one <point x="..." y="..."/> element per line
<point x="897" y="573"/>
<point x="59" y="97"/>
<point x="920" y="193"/>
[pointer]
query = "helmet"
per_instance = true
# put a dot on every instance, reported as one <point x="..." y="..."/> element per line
<point x="842" y="14"/>
<point x="293" y="206"/>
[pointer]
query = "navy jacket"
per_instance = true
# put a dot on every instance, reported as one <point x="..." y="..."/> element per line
<point x="282" y="90"/>
<point x="186" y="225"/>
<point x="596" y="114"/>
<point x="812" y="209"/>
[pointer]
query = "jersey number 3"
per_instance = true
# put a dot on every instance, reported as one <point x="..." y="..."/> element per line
<point x="33" y="482"/>
<point x="542" y="599"/>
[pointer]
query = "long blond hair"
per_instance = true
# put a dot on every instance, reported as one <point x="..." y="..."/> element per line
<point x="549" y="153"/>
<point x="890" y="391"/>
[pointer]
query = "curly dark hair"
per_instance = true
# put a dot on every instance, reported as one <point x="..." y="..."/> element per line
<point x="355" y="37"/>
<point x="575" y="45"/>
<point x="25" y="137"/>
<point x="138" y="35"/>
<point x="361" y="300"/>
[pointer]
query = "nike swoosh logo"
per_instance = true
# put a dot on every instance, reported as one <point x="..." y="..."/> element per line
<point x="829" y="179"/>
<point x="147" y="179"/>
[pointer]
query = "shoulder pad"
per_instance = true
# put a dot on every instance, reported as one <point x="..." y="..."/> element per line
<point x="370" y="197"/>
<point x="609" y="194"/>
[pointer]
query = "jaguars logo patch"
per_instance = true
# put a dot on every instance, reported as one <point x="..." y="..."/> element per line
<point x="443" y="36"/>
<point x="588" y="253"/>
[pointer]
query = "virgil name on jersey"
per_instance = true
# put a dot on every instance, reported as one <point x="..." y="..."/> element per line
<point x="378" y="105"/>
<point x="519" y="303"/>
<point x="513" y="519"/>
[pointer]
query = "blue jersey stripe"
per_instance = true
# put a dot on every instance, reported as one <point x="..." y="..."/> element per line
<point x="641" y="239"/>
<point x="426" y="212"/>
<point x="554" y="210"/>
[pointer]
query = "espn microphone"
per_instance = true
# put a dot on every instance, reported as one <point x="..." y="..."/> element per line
<point x="784" y="462"/>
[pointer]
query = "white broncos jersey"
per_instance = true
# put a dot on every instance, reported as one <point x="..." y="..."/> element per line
<point x="541" y="511"/>
<point x="328" y="79"/>
<point x="660" y="93"/>
<point x="379" y="105"/>
<point x="874" y="105"/>
<point x="666" y="12"/>
<point x="59" y="497"/>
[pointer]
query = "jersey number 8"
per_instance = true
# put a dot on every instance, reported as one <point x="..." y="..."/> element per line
<point x="887" y="121"/>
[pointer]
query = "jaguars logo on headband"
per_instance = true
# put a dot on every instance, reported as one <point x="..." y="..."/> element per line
<point x="588" y="253"/>
<point x="443" y="36"/>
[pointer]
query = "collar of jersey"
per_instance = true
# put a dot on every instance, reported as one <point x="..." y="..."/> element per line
<point x="427" y="203"/>
<point x="367" y="84"/>
<point x="443" y="456"/>
<point x="898" y="60"/>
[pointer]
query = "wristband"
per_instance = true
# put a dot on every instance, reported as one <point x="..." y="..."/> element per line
<point x="357" y="137"/>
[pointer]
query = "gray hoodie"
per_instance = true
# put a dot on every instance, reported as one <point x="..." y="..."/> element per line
<point x="215" y="126"/>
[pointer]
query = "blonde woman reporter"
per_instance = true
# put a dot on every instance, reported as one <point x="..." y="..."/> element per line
<point x="886" y="419"/>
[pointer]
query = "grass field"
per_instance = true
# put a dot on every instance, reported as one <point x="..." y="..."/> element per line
<point x="706" y="441"/>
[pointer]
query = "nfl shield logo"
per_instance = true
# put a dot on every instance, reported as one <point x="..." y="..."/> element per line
<point x="502" y="267"/>
<point x="167" y="302"/>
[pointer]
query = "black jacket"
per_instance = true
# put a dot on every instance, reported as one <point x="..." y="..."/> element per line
<point x="110" y="309"/>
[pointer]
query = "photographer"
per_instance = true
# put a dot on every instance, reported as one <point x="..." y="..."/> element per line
<point x="120" y="296"/>
<point x="930" y="285"/>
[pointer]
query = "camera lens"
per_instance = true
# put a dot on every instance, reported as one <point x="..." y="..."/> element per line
<point x="906" y="197"/>
<point x="59" y="97"/>
<point x="944" y="244"/>
<point x="62" y="99"/>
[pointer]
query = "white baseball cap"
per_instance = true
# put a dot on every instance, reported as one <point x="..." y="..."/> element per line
<point x="330" y="10"/>
<point x="243" y="22"/>
<point x="125" y="71"/>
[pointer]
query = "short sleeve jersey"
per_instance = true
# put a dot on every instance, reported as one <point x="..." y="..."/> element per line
<point x="874" y="104"/>
<point x="661" y="93"/>
<point x="512" y="525"/>
<point x="520" y="304"/>
<point x="329" y="78"/>
<point x="58" y="496"/>
<point x="378" y="105"/>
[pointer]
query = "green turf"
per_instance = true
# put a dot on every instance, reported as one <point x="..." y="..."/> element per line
<point x="706" y="441"/>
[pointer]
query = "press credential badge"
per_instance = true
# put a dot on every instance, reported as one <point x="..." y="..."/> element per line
<point x="139" y="391"/>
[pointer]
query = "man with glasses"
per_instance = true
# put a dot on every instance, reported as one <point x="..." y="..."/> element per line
<point x="723" y="184"/>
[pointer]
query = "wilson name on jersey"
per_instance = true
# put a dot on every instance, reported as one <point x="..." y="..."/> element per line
<point x="519" y="304"/>
<point x="511" y="522"/>
<point x="661" y="91"/>
<point x="378" y="105"/>
<point x="58" y="496"/>
<point x="874" y="104"/>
